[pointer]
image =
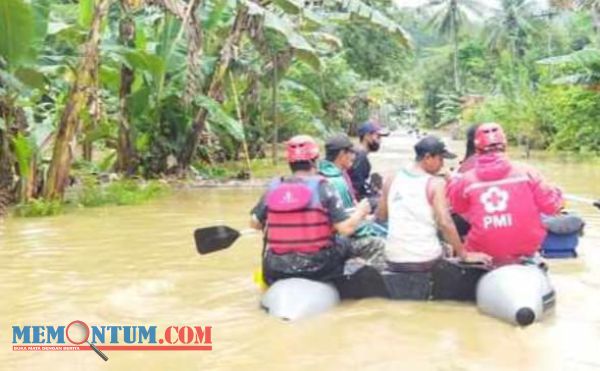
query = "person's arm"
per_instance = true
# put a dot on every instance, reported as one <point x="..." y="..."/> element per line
<point x="343" y="223"/>
<point x="442" y="216"/>
<point x="382" y="210"/>
<point x="259" y="215"/>
<point x="359" y="173"/>
<point x="548" y="199"/>
<point x="349" y="225"/>
<point x="255" y="223"/>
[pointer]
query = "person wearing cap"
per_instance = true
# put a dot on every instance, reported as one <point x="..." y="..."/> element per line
<point x="415" y="207"/>
<point x="339" y="157"/>
<point x="502" y="201"/>
<point x="370" y="140"/>
<point x="301" y="216"/>
<point x="414" y="204"/>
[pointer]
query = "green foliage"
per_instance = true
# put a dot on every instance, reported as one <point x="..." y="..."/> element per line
<point x="260" y="168"/>
<point x="38" y="208"/>
<point x="556" y="117"/>
<point x="124" y="192"/>
<point x="574" y="113"/>
<point x="371" y="52"/>
<point x="86" y="12"/>
<point x="23" y="152"/>
<point x="220" y="118"/>
<point x="16" y="30"/>
<point x="337" y="65"/>
<point x="449" y="108"/>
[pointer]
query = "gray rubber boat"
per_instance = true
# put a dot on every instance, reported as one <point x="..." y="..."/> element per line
<point x="518" y="294"/>
<point x="295" y="298"/>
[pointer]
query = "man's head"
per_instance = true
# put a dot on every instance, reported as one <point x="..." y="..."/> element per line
<point x="370" y="135"/>
<point x="490" y="137"/>
<point x="430" y="153"/>
<point x="302" y="153"/>
<point x="340" y="150"/>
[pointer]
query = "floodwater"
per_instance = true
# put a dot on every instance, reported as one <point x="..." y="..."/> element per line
<point x="138" y="266"/>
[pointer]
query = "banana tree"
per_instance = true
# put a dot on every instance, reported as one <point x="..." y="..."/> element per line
<point x="62" y="156"/>
<point x="284" y="17"/>
<point x="126" y="157"/>
<point x="582" y="67"/>
<point x="18" y="39"/>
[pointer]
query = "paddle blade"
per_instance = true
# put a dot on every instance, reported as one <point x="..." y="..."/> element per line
<point x="212" y="239"/>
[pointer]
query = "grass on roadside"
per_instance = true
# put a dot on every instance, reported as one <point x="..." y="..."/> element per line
<point x="122" y="192"/>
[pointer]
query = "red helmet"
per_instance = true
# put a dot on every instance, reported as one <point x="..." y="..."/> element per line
<point x="302" y="148"/>
<point x="489" y="135"/>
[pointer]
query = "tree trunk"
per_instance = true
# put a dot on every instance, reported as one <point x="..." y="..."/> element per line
<point x="194" y="36"/>
<point x="94" y="106"/>
<point x="215" y="86"/>
<point x="455" y="41"/>
<point x="238" y="111"/>
<point x="6" y="170"/>
<point x="126" y="158"/>
<point x="193" y="30"/>
<point x="274" y="111"/>
<point x="58" y="172"/>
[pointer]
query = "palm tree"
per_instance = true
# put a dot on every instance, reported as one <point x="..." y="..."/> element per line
<point x="510" y="27"/>
<point x="449" y="16"/>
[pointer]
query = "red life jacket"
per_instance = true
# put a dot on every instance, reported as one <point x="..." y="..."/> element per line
<point x="297" y="222"/>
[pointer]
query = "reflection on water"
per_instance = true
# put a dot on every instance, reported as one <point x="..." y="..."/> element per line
<point x="137" y="265"/>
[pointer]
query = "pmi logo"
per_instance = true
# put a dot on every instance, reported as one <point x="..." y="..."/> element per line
<point x="78" y="335"/>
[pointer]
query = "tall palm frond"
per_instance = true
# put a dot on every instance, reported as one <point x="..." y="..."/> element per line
<point x="511" y="26"/>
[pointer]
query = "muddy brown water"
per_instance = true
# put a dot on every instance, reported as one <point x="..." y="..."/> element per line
<point x="138" y="266"/>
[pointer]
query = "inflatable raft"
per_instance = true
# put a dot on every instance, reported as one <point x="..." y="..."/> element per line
<point x="517" y="294"/>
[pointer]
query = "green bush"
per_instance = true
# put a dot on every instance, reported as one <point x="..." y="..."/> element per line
<point x="556" y="117"/>
<point x="37" y="208"/>
<point x="125" y="192"/>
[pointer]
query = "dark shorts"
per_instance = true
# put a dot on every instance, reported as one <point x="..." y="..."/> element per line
<point x="327" y="264"/>
<point x="324" y="265"/>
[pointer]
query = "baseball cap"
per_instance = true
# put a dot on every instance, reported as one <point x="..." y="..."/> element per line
<point x="434" y="146"/>
<point x="370" y="128"/>
<point x="338" y="142"/>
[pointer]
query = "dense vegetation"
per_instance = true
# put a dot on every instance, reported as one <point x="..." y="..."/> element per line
<point x="150" y="88"/>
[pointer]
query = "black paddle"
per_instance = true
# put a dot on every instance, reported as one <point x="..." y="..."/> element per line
<point x="211" y="239"/>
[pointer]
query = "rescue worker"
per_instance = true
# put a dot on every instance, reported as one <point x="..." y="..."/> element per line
<point x="301" y="216"/>
<point x="502" y="201"/>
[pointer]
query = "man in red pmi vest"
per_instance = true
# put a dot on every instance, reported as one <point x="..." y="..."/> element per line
<point x="302" y="215"/>
<point x="502" y="201"/>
